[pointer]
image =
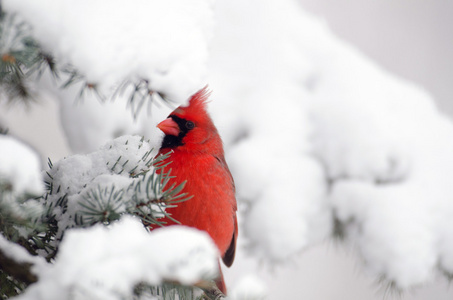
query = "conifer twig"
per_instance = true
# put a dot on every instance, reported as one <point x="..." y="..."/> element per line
<point x="211" y="291"/>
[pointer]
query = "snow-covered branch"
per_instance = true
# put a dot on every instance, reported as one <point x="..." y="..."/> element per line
<point x="174" y="66"/>
<point x="316" y="134"/>
<point x="319" y="132"/>
<point x="17" y="262"/>
<point x="108" y="262"/>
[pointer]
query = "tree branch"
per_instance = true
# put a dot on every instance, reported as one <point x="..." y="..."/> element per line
<point x="20" y="271"/>
<point x="211" y="291"/>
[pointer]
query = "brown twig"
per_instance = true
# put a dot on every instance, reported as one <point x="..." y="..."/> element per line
<point x="20" y="271"/>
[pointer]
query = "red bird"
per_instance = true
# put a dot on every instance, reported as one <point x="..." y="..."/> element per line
<point x="197" y="157"/>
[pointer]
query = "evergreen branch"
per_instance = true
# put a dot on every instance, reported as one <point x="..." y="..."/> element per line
<point x="49" y="163"/>
<point x="211" y="291"/>
<point x="174" y="290"/>
<point x="44" y="62"/>
<point x="170" y="289"/>
<point x="18" y="53"/>
<point x="101" y="205"/>
<point x="23" y="61"/>
<point x="158" y="197"/>
<point x="9" y="286"/>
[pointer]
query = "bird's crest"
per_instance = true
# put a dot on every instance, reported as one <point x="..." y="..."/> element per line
<point x="197" y="103"/>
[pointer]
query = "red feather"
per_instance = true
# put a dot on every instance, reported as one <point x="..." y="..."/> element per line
<point x="198" y="158"/>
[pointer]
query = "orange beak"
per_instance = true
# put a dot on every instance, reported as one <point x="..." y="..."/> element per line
<point x="169" y="127"/>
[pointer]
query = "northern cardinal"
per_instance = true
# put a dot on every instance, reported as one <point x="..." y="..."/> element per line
<point x="197" y="157"/>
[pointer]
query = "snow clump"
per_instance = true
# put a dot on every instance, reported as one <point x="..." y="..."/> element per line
<point x="86" y="35"/>
<point x="20" y="167"/>
<point x="108" y="262"/>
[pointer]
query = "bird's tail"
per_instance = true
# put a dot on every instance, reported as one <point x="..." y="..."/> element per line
<point x="220" y="282"/>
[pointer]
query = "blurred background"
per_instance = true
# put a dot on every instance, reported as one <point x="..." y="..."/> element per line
<point x="410" y="38"/>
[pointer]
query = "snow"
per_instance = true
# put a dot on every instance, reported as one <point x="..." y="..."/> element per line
<point x="249" y="288"/>
<point x="386" y="152"/>
<point x="19" y="254"/>
<point x="20" y="167"/>
<point x="152" y="47"/>
<point x="319" y="129"/>
<point x="313" y="130"/>
<point x="107" y="170"/>
<point x="108" y="262"/>
<point x="91" y="123"/>
<point x="264" y="95"/>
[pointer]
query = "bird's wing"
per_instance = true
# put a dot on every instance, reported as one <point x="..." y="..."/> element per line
<point x="228" y="257"/>
<point x="224" y="165"/>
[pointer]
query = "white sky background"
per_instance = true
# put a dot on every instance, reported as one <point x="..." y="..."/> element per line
<point x="410" y="38"/>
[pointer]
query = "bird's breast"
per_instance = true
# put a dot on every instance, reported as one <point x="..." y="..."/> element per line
<point x="212" y="207"/>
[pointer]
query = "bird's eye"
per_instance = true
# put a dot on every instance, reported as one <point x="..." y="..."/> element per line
<point x="190" y="125"/>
